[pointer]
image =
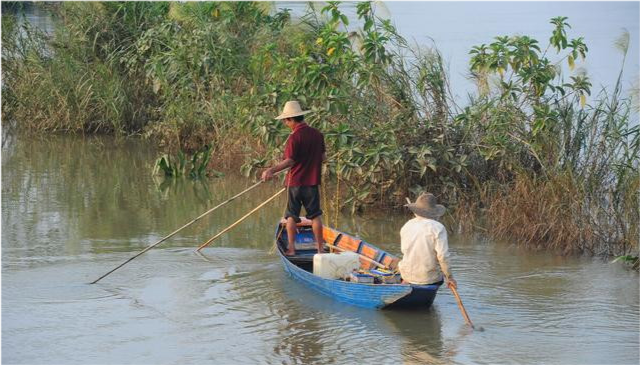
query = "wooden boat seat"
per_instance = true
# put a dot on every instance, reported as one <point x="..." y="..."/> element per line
<point x="349" y="243"/>
<point x="330" y="235"/>
<point x="390" y="261"/>
<point x="370" y="252"/>
<point x="357" y="245"/>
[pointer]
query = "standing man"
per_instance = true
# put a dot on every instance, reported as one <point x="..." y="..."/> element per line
<point x="424" y="244"/>
<point x="304" y="153"/>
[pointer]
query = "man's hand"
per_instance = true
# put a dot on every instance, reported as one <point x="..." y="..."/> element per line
<point x="451" y="283"/>
<point x="267" y="174"/>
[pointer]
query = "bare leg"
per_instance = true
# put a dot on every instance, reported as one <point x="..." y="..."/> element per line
<point x="291" y="236"/>
<point x="316" y="225"/>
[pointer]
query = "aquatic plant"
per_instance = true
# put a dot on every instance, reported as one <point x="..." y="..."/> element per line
<point x="180" y="165"/>
<point x="633" y="261"/>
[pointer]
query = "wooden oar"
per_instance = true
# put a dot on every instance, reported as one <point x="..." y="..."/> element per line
<point x="180" y="229"/>
<point x="240" y="220"/>
<point x="464" y="311"/>
<point x="362" y="256"/>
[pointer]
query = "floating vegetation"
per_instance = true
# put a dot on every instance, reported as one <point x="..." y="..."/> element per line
<point x="179" y="165"/>
<point x="633" y="261"/>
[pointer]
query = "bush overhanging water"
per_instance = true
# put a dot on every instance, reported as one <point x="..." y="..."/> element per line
<point x="529" y="154"/>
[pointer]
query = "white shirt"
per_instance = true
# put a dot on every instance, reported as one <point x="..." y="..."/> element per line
<point x="423" y="245"/>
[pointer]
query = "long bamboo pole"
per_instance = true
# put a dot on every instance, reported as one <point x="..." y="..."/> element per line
<point x="180" y="229"/>
<point x="464" y="311"/>
<point x="241" y="219"/>
<point x="361" y="255"/>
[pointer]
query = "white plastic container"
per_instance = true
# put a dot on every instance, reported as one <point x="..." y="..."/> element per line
<point x="335" y="265"/>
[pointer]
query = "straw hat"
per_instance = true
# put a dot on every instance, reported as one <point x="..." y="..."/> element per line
<point x="292" y="109"/>
<point x="426" y="206"/>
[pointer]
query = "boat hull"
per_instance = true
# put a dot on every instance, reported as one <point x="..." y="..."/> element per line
<point x="359" y="294"/>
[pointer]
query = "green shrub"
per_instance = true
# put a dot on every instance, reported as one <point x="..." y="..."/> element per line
<point x="194" y="74"/>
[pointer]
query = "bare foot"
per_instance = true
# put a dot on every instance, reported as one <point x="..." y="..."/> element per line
<point x="289" y="253"/>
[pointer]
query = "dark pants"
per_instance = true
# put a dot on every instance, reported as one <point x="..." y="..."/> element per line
<point x="307" y="196"/>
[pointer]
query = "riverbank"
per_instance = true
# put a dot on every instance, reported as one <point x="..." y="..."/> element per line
<point x="526" y="159"/>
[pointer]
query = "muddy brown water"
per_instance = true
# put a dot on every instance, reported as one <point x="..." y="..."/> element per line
<point x="74" y="208"/>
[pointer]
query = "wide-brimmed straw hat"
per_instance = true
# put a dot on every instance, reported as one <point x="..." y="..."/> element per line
<point x="427" y="206"/>
<point x="292" y="109"/>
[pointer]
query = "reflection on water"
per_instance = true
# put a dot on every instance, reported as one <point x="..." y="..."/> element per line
<point x="74" y="208"/>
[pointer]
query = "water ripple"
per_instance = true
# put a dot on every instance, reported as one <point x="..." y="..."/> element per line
<point x="235" y="305"/>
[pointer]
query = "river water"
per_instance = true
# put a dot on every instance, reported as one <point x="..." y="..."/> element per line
<point x="74" y="208"/>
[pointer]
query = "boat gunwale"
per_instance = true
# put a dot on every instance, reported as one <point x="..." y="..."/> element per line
<point x="411" y="286"/>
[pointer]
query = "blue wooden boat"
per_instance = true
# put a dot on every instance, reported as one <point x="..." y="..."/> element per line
<point x="377" y="295"/>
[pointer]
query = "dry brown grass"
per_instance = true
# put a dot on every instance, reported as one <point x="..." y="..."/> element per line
<point x="234" y="148"/>
<point x="467" y="215"/>
<point x="538" y="214"/>
<point x="557" y="214"/>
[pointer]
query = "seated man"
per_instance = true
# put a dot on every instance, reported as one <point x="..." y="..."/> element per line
<point x="424" y="244"/>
